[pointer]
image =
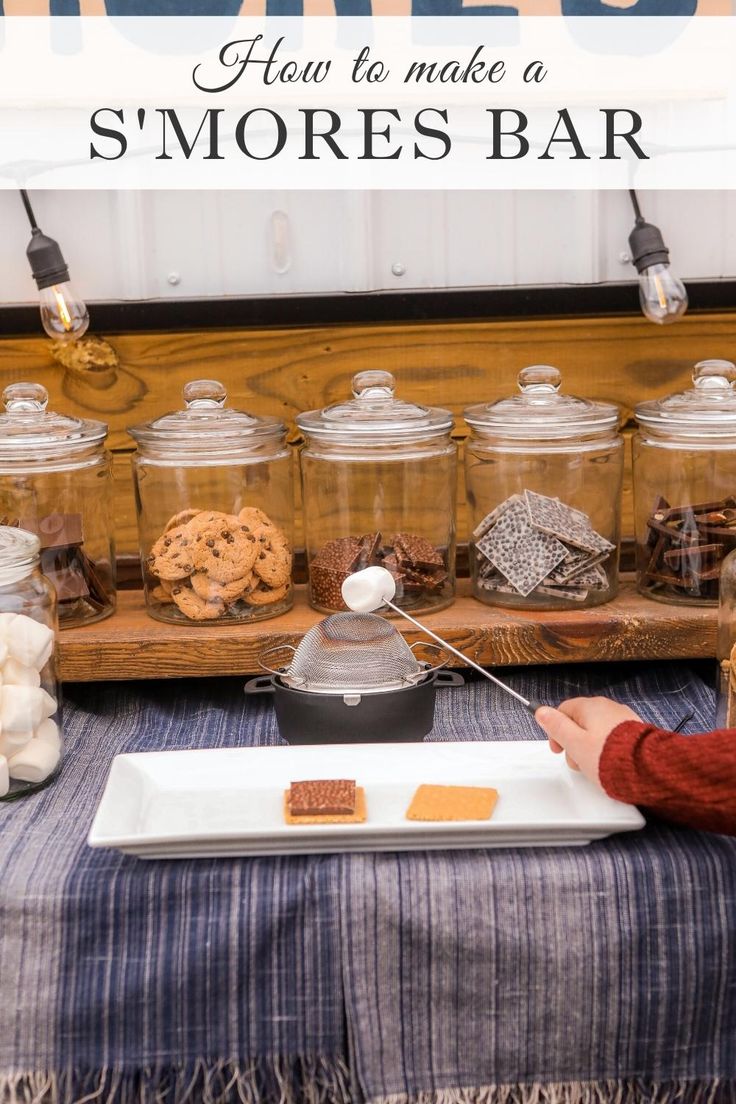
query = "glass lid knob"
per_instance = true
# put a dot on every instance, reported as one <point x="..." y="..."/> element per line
<point x="714" y="374"/>
<point x="373" y="385"/>
<point x="204" y="394"/>
<point x="25" y="397"/>
<point x="539" y="377"/>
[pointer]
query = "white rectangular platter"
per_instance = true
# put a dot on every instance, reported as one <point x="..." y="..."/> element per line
<point x="189" y="804"/>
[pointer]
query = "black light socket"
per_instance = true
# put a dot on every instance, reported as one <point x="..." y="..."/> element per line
<point x="47" y="263"/>
<point x="647" y="246"/>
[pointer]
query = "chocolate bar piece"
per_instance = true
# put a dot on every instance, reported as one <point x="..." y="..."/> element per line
<point x="418" y="567"/>
<point x="56" y="530"/>
<point x="326" y="796"/>
<point x="693" y="556"/>
<point x="370" y="545"/>
<point x="685" y="545"/>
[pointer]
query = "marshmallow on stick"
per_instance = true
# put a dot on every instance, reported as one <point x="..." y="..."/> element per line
<point x="367" y="590"/>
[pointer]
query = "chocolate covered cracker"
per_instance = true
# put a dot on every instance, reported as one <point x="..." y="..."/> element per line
<point x="322" y="797"/>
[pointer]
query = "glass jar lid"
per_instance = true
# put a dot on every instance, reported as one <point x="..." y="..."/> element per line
<point x="375" y="416"/>
<point x="708" y="408"/>
<point x="19" y="553"/>
<point x="29" y="431"/>
<point x="541" y="411"/>
<point x="205" y="424"/>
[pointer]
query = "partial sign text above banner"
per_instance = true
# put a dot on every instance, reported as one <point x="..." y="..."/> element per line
<point x="382" y="102"/>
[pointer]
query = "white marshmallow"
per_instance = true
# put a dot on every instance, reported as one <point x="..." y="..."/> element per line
<point x="16" y="674"/>
<point x="3" y="651"/>
<point x="367" y="590"/>
<point x="23" y="708"/>
<point x="49" y="704"/>
<point x="4" y="776"/>
<point x="6" y="620"/>
<point x="35" y="762"/>
<point x="12" y="742"/>
<point x="48" y="732"/>
<point x="30" y="642"/>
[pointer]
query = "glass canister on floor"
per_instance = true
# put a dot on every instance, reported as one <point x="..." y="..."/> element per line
<point x="214" y="498"/>
<point x="56" y="481"/>
<point x="684" y="466"/>
<point x="379" y="487"/>
<point x="543" y="475"/>
<point x="30" y="736"/>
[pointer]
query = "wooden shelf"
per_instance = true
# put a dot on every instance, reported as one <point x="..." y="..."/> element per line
<point x="131" y="645"/>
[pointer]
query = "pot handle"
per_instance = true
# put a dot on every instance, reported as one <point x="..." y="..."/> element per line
<point x="262" y="684"/>
<point x="449" y="678"/>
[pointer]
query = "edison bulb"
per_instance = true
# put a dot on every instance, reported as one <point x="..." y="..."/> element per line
<point x="63" y="314"/>
<point x="662" y="296"/>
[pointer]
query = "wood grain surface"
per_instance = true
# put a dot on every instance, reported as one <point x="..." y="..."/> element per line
<point x="281" y="372"/>
<point x="131" y="645"/>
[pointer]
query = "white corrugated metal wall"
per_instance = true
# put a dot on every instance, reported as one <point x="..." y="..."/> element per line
<point x="144" y="245"/>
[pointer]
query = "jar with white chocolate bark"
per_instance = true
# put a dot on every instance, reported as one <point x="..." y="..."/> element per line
<point x="543" y="472"/>
<point x="30" y="721"/>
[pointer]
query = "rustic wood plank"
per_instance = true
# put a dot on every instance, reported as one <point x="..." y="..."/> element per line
<point x="131" y="645"/>
<point x="272" y="371"/>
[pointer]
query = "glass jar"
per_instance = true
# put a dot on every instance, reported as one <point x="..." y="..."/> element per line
<point x="726" y="646"/>
<point x="214" y="499"/>
<point x="684" y="455"/>
<point x="543" y="475"/>
<point x="30" y="715"/>
<point x="379" y="487"/>
<point x="56" y="481"/>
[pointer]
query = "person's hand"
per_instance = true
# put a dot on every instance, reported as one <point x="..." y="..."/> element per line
<point x="580" y="728"/>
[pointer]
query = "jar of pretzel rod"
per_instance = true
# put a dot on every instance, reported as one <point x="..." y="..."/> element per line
<point x="684" y="468"/>
<point x="215" y="509"/>
<point x="543" y="474"/>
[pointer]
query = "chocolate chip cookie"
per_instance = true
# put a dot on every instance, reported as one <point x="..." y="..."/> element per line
<point x="224" y="549"/>
<point x="171" y="557"/>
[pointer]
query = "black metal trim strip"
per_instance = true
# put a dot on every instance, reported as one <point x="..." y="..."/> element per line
<point x="572" y="301"/>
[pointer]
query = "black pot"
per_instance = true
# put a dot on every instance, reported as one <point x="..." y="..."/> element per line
<point x="393" y="716"/>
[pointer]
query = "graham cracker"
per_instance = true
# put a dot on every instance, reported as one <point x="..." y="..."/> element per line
<point x="452" y="803"/>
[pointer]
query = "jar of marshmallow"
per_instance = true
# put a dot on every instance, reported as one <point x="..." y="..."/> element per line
<point x="30" y="736"/>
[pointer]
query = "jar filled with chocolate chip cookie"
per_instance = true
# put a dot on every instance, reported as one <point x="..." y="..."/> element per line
<point x="543" y="475"/>
<point x="684" y="456"/>
<point x="379" y="487"/>
<point x="215" y="511"/>
<point x="56" y="482"/>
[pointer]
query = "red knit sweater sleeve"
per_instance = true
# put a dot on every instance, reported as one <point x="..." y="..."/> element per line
<point x="690" y="780"/>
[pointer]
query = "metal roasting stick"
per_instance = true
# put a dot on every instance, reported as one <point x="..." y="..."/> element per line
<point x="532" y="705"/>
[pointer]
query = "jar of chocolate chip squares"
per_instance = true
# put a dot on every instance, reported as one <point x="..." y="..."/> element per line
<point x="684" y="465"/>
<point x="379" y="488"/>
<point x="543" y="475"/>
<point x="215" y="510"/>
